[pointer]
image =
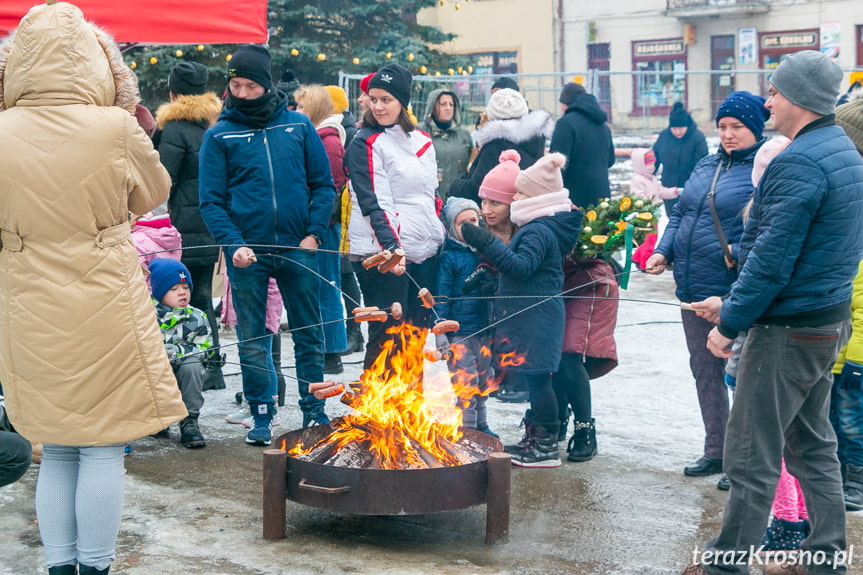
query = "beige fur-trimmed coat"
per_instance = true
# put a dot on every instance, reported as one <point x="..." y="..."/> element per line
<point x="81" y="357"/>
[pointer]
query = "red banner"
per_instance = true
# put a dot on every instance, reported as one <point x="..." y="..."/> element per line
<point x="164" y="21"/>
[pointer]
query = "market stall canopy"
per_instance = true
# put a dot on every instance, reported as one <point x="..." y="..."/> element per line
<point x="163" y="21"/>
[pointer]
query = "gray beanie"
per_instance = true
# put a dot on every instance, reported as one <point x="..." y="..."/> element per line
<point x="809" y="79"/>
<point x="453" y="207"/>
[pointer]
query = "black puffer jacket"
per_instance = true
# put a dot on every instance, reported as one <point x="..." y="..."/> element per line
<point x="678" y="156"/>
<point x="181" y="126"/>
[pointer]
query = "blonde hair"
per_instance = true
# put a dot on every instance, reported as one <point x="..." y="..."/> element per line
<point x="317" y="103"/>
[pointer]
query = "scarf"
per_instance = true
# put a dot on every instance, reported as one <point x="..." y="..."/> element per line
<point x="529" y="209"/>
<point x="260" y="111"/>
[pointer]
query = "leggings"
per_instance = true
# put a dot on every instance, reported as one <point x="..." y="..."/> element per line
<point x="79" y="503"/>
<point x="572" y="388"/>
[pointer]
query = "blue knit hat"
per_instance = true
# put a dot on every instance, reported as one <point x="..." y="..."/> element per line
<point x="165" y="273"/>
<point x="746" y="107"/>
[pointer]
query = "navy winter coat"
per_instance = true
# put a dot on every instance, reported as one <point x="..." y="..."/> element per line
<point x="678" y="156"/>
<point x="532" y="265"/>
<point x="268" y="186"/>
<point x="456" y="263"/>
<point x="804" y="237"/>
<point x="690" y="240"/>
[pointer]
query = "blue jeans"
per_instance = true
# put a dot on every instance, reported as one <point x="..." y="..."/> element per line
<point x="846" y="415"/>
<point x="329" y="266"/>
<point x="780" y="409"/>
<point x="299" y="289"/>
<point x="15" y="454"/>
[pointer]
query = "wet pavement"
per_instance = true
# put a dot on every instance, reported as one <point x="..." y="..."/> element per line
<point x="629" y="511"/>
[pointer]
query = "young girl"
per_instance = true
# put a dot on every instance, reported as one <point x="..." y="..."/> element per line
<point x="532" y="265"/>
<point x="457" y="262"/>
<point x="648" y="187"/>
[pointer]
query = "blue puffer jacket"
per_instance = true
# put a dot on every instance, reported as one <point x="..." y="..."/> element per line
<point x="456" y="263"/>
<point x="267" y="186"/>
<point x="532" y="265"/>
<point x="804" y="236"/>
<point x="690" y="240"/>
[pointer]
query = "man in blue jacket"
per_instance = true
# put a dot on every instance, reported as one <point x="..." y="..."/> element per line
<point x="799" y="254"/>
<point x="266" y="195"/>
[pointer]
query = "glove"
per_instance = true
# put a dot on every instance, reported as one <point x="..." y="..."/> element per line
<point x="481" y="281"/>
<point x="851" y="376"/>
<point x="476" y="237"/>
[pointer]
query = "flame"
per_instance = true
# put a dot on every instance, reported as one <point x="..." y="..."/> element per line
<point x="511" y="359"/>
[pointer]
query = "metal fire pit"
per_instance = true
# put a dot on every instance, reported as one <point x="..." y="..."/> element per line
<point x="385" y="491"/>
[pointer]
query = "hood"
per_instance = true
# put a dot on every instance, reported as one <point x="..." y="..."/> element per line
<point x="587" y="105"/>
<point x="203" y="109"/>
<point x="55" y="57"/>
<point x="638" y="165"/>
<point x="517" y="130"/>
<point x="430" y="102"/>
<point x="333" y="122"/>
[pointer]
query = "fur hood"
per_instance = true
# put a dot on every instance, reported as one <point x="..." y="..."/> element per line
<point x="57" y="56"/>
<point x="518" y="130"/>
<point x="204" y="109"/>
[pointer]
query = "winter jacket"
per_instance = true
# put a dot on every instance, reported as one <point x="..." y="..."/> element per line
<point x="644" y="184"/>
<point x="457" y="262"/>
<point x="333" y="136"/>
<point x="803" y="239"/>
<point x="81" y="357"/>
<point x="393" y="177"/>
<point x="452" y="145"/>
<point x="181" y="125"/>
<point x="853" y="350"/>
<point x="582" y="135"/>
<point x="678" y="156"/>
<point x="268" y="186"/>
<point x="185" y="330"/>
<point x="532" y="265"/>
<point x="690" y="240"/>
<point x="526" y="135"/>
<point x="152" y="241"/>
<point x="591" y="313"/>
<point x="349" y="123"/>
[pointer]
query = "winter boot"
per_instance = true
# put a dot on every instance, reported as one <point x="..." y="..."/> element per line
<point x="213" y="377"/>
<point x="276" y="350"/>
<point x="261" y="432"/>
<point x="333" y="363"/>
<point x="190" y="435"/>
<point x="561" y="435"/>
<point x="63" y="570"/>
<point x="853" y="487"/>
<point x="84" y="570"/>
<point x="783" y="535"/>
<point x="355" y="338"/>
<point x="527" y="423"/>
<point x="542" y="450"/>
<point x="582" y="444"/>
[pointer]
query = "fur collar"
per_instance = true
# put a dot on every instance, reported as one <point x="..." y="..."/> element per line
<point x="518" y="130"/>
<point x="203" y="109"/>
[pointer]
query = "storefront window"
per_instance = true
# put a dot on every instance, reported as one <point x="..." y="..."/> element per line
<point x="659" y="79"/>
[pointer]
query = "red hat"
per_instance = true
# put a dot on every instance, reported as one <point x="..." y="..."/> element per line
<point x="364" y="83"/>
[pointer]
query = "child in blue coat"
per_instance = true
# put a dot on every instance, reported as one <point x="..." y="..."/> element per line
<point x="529" y="338"/>
<point x="470" y="361"/>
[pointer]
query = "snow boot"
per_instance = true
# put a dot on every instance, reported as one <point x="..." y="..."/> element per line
<point x="85" y="570"/>
<point x="853" y="487"/>
<point x="333" y="363"/>
<point x="190" y="435"/>
<point x="527" y="423"/>
<point x="542" y="449"/>
<point x="582" y="444"/>
<point x="213" y="376"/>
<point x="63" y="570"/>
<point x="784" y="535"/>
<point x="355" y="338"/>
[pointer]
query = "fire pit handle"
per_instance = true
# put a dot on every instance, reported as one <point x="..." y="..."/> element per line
<point x="329" y="490"/>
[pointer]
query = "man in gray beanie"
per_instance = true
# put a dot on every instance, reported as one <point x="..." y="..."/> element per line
<point x="798" y="256"/>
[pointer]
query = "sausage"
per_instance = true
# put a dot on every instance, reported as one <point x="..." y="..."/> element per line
<point x="377" y="315"/>
<point x="426" y="297"/>
<point x="357" y="310"/>
<point x="374" y="260"/>
<point x="394" y="260"/>
<point x="331" y="391"/>
<point x="396" y="311"/>
<point x="318" y="385"/>
<point x="444" y="326"/>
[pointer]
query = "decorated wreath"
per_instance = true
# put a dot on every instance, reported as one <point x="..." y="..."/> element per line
<point x="614" y="225"/>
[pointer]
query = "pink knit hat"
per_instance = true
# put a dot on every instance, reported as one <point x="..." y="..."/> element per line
<point x="499" y="184"/>
<point x="765" y="154"/>
<point x="544" y="177"/>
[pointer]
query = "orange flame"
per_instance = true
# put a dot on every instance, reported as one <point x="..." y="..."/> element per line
<point x="511" y="359"/>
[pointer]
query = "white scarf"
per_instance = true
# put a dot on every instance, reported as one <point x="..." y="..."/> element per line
<point x="528" y="209"/>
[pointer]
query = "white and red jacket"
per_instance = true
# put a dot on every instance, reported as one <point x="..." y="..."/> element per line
<point x="393" y="178"/>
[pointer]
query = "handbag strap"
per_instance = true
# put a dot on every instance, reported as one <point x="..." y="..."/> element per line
<point x="726" y="249"/>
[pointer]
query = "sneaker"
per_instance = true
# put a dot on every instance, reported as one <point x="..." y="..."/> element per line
<point x="249" y="422"/>
<point x="317" y="418"/>
<point x="262" y="432"/>
<point x="239" y="417"/>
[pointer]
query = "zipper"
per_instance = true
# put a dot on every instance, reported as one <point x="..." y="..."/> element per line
<point x="272" y="188"/>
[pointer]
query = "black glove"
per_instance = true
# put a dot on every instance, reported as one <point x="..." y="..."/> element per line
<point x="481" y="281"/>
<point x="851" y="376"/>
<point x="476" y="237"/>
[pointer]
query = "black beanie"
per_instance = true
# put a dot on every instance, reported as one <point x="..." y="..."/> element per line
<point x="396" y="80"/>
<point x="570" y="92"/>
<point x="188" y="78"/>
<point x="252" y="61"/>
<point x="289" y="84"/>
<point x="678" y="117"/>
<point x="505" y="82"/>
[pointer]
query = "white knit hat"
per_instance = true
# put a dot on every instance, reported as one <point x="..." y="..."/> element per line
<point x="544" y="177"/>
<point x="506" y="104"/>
